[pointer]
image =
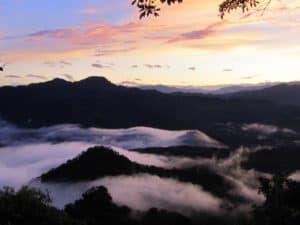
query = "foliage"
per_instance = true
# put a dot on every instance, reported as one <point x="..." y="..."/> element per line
<point x="150" y="7"/>
<point x="29" y="206"/>
<point x="228" y="5"/>
<point x="282" y="206"/>
<point x="96" y="207"/>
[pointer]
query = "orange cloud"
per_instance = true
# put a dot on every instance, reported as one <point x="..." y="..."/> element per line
<point x="199" y="34"/>
<point x="193" y="25"/>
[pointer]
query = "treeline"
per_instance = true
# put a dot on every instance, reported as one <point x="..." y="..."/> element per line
<point x="32" y="207"/>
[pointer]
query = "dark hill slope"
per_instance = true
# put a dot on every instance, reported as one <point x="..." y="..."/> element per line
<point x="99" y="162"/>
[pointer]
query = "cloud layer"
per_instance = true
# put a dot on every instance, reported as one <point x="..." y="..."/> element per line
<point x="31" y="152"/>
<point x="137" y="137"/>
<point x="266" y="129"/>
<point x="142" y="192"/>
<point x="18" y="165"/>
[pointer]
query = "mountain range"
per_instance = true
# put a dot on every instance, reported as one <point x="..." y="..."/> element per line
<point x="97" y="102"/>
<point x="214" y="90"/>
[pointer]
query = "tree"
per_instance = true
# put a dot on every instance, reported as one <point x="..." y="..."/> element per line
<point x="96" y="207"/>
<point x="29" y="206"/>
<point x="150" y="7"/>
<point x="282" y="206"/>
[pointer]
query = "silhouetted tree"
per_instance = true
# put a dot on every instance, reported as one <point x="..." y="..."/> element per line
<point x="29" y="206"/>
<point x="96" y="207"/>
<point x="150" y="7"/>
<point x="282" y="206"/>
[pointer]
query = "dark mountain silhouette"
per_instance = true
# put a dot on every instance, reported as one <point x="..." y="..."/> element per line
<point x="97" y="102"/>
<point x="287" y="94"/>
<point x="98" y="162"/>
<point x="94" y="163"/>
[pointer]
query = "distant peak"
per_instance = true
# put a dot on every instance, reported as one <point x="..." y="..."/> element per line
<point x="59" y="80"/>
<point x="54" y="82"/>
<point x="95" y="78"/>
<point x="95" y="81"/>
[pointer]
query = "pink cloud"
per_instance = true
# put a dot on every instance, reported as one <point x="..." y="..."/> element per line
<point x="55" y="34"/>
<point x="100" y="34"/>
<point x="92" y="23"/>
<point x="198" y="34"/>
<point x="90" y="11"/>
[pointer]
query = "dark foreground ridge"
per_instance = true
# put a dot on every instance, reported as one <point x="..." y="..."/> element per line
<point x="32" y="207"/>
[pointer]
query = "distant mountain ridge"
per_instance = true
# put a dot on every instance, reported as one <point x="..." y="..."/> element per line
<point x="97" y="102"/>
<point x="214" y="90"/>
<point x="287" y="94"/>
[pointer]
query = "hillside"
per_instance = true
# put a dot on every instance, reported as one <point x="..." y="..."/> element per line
<point x="99" y="162"/>
<point x="94" y="163"/>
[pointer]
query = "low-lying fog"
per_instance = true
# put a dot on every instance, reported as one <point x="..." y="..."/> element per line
<point x="136" y="137"/>
<point x="28" y="153"/>
<point x="140" y="192"/>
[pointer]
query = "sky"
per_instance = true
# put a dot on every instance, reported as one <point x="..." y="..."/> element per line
<point x="187" y="45"/>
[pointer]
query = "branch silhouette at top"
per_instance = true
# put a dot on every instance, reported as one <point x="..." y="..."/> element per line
<point x="151" y="8"/>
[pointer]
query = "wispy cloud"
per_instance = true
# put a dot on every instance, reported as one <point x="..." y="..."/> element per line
<point x="66" y="63"/>
<point x="248" y="77"/>
<point x="61" y="63"/>
<point x="36" y="76"/>
<point x="198" y="34"/>
<point x="98" y="65"/>
<point x="13" y="76"/>
<point x="193" y="68"/>
<point x="89" y="11"/>
<point x="154" y="66"/>
<point x="101" y="66"/>
<point x="68" y="76"/>
<point x="94" y="23"/>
